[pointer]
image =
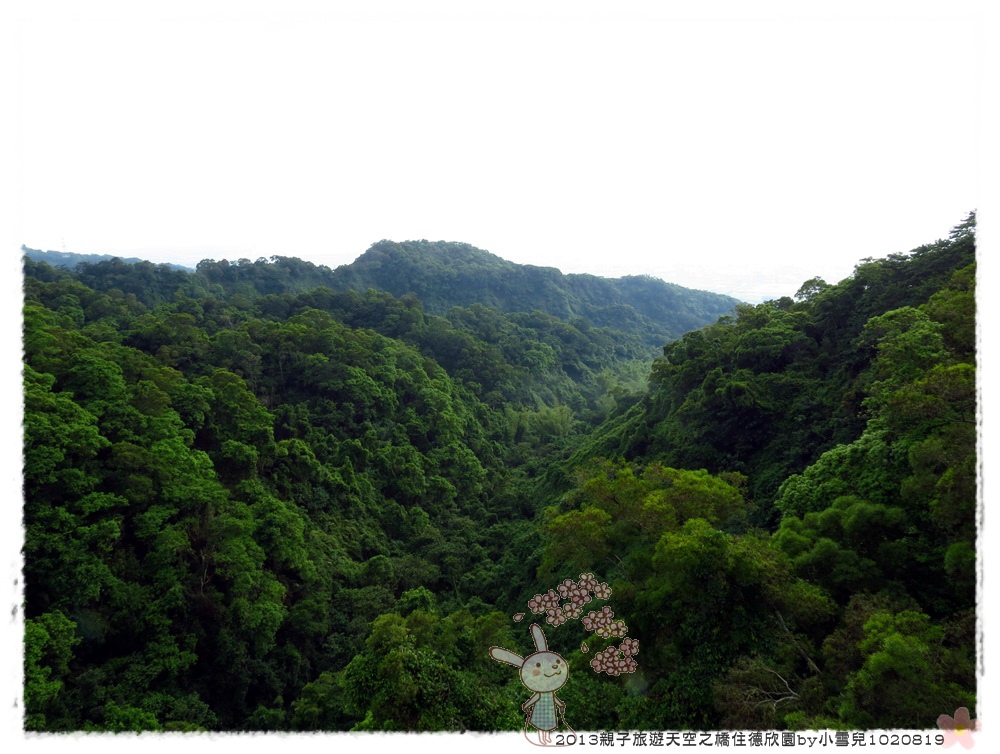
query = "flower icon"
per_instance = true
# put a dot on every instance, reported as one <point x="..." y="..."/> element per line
<point x="602" y="591"/>
<point x="630" y="647"/>
<point x="958" y="728"/>
<point x="566" y="588"/>
<point x="566" y="603"/>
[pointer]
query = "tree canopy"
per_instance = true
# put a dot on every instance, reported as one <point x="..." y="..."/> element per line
<point x="270" y="496"/>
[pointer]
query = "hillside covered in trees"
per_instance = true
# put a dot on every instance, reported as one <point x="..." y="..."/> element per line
<point x="70" y="260"/>
<point x="444" y="275"/>
<point x="271" y="496"/>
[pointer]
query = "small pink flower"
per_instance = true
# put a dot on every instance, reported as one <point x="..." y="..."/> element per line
<point x="566" y="587"/>
<point x="587" y="581"/>
<point x="602" y="591"/>
<point x="603" y="620"/>
<point x="958" y="728"/>
<point x="554" y="616"/>
<point x="547" y="600"/>
<point x="630" y="647"/>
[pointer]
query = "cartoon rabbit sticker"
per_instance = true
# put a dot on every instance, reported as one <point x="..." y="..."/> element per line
<point x="542" y="673"/>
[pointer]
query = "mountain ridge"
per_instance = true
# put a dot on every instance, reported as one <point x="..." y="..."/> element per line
<point x="447" y="274"/>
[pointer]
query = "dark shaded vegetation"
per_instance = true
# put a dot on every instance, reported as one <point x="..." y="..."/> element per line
<point x="256" y="499"/>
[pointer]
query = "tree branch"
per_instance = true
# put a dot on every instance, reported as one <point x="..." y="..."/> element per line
<point x="812" y="665"/>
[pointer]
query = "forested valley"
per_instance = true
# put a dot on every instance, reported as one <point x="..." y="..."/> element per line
<point x="271" y="496"/>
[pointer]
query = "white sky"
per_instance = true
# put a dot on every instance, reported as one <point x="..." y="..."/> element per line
<point x="740" y="147"/>
<point x="742" y="151"/>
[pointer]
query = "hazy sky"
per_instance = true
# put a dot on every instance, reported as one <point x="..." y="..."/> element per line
<point x="739" y="147"/>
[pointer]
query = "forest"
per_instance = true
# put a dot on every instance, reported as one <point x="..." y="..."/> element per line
<point x="271" y="496"/>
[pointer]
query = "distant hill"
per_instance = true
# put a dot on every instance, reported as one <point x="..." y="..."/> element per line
<point x="71" y="260"/>
<point x="443" y="275"/>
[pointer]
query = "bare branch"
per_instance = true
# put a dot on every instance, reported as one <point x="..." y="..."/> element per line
<point x="812" y="665"/>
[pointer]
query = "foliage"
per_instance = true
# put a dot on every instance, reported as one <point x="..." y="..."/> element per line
<point x="266" y="496"/>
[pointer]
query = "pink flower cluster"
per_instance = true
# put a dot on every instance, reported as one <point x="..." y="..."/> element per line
<point x="574" y="595"/>
<point x="618" y="629"/>
<point x="615" y="661"/>
<point x="543" y="602"/>
<point x="600" y="623"/>
<point x="555" y="617"/>
<point x="574" y="592"/>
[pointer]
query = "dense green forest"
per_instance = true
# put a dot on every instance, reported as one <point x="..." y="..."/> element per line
<point x="443" y="275"/>
<point x="271" y="496"/>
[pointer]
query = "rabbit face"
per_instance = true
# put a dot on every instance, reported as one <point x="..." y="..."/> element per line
<point x="544" y="671"/>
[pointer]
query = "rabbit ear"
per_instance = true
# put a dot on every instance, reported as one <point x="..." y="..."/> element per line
<point x="505" y="655"/>
<point x="539" y="637"/>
